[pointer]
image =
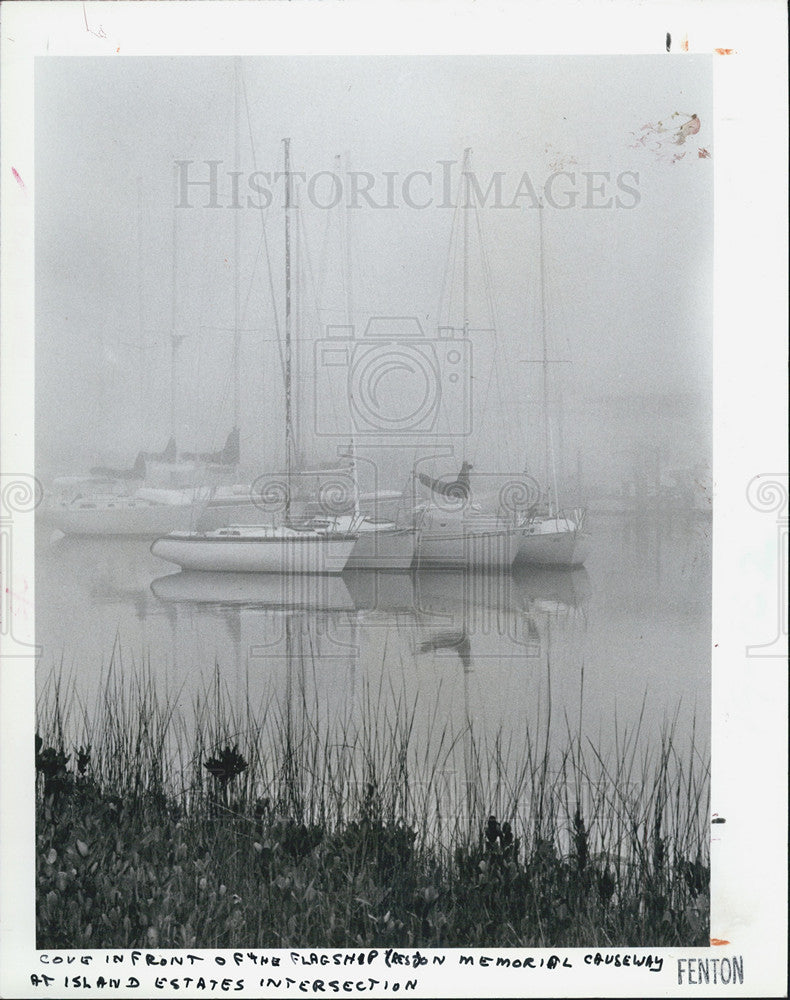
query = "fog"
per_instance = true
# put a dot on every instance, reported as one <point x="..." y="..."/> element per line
<point x="620" y="279"/>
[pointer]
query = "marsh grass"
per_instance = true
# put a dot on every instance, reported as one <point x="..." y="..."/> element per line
<point x="271" y="826"/>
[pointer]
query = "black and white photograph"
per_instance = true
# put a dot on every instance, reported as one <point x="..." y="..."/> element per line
<point x="366" y="607"/>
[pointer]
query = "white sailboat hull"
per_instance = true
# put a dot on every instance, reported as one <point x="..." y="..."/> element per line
<point x="264" y="553"/>
<point x="440" y="549"/>
<point x="383" y="550"/>
<point x="552" y="544"/>
<point x="379" y="545"/>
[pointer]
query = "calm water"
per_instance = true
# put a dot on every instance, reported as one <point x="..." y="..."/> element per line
<point x="499" y="655"/>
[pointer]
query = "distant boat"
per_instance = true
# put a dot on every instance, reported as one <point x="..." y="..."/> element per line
<point x="144" y="513"/>
<point x="229" y="455"/>
<point x="102" y="507"/>
<point x="172" y="480"/>
<point x="157" y="494"/>
<point x="381" y="544"/>
<point x="180" y="470"/>
<point x="102" y="504"/>
<point x="137" y="471"/>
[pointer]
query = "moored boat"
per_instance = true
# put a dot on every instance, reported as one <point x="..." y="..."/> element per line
<point x="263" y="549"/>
<point x="379" y="545"/>
<point x="112" y="514"/>
<point x="553" y="541"/>
<point x="465" y="538"/>
<point x="286" y="548"/>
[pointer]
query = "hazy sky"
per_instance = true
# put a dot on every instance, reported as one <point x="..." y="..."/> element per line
<point x="627" y="289"/>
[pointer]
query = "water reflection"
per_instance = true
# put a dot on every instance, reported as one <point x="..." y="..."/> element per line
<point x="478" y="662"/>
<point x="499" y="610"/>
<point x="464" y="656"/>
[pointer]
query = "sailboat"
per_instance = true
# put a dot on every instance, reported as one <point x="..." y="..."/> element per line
<point x="286" y="548"/>
<point x="550" y="536"/>
<point x="457" y="529"/>
<point x="554" y="540"/>
<point x="103" y="505"/>
<point x="143" y="513"/>
<point x="464" y="536"/>
<point x="263" y="549"/>
<point x="382" y="542"/>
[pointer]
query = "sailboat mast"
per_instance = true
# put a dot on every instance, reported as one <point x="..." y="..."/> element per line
<point x="349" y="303"/>
<point x="297" y="272"/>
<point x="237" y="207"/>
<point x="551" y="470"/>
<point x="140" y="307"/>
<point x="174" y="338"/>
<point x="287" y="359"/>
<point x="467" y="155"/>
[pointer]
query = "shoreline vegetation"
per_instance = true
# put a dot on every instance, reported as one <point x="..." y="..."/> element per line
<point x="264" y="828"/>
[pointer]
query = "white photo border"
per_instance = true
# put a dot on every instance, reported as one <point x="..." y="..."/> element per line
<point x="747" y="43"/>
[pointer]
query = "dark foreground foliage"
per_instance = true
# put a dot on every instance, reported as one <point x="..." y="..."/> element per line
<point x="123" y="863"/>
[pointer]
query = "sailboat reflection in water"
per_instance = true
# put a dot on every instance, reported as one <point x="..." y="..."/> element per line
<point x="446" y="640"/>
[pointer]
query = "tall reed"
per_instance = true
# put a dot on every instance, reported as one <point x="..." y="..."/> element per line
<point x="274" y="824"/>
